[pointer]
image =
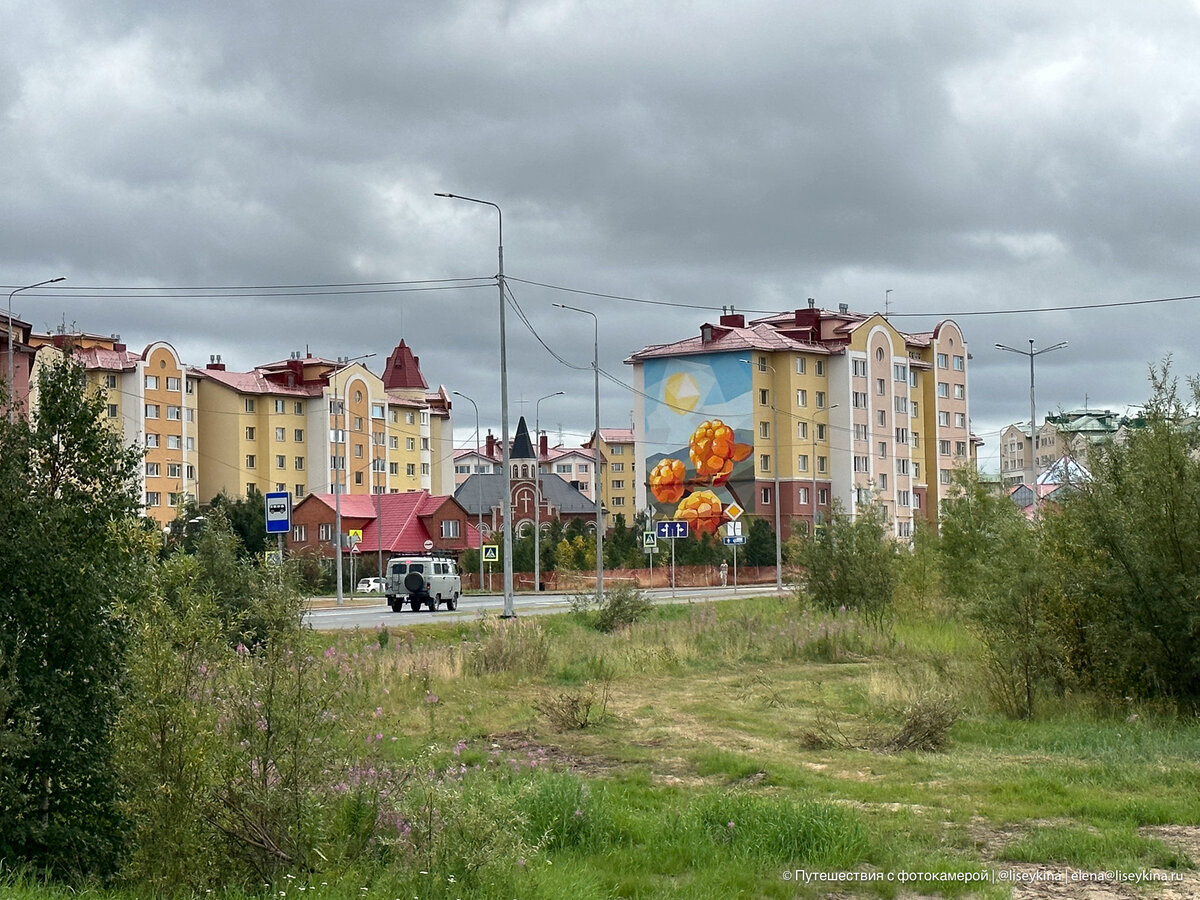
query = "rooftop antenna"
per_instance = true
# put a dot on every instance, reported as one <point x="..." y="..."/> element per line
<point x="886" y="301"/>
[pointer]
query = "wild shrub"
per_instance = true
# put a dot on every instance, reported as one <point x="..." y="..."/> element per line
<point x="621" y="606"/>
<point x="850" y="563"/>
<point x="509" y="645"/>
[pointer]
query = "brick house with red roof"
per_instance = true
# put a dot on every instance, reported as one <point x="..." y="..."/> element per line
<point x="394" y="523"/>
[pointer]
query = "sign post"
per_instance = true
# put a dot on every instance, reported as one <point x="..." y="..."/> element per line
<point x="672" y="530"/>
<point x="277" y="509"/>
<point x="650" y="545"/>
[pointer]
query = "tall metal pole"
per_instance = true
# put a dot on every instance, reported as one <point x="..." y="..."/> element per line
<point x="537" y="492"/>
<point x="12" y="386"/>
<point x="1033" y="435"/>
<point x="596" y="444"/>
<point x="479" y="482"/>
<point x="506" y="500"/>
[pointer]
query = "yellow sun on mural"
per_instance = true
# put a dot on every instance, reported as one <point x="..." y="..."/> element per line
<point x="682" y="392"/>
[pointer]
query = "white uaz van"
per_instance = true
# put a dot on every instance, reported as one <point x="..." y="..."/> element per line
<point x="429" y="580"/>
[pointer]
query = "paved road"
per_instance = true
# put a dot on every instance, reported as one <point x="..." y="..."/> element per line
<point x="325" y="615"/>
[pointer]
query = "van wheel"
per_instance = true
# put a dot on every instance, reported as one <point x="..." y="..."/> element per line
<point x="414" y="603"/>
<point x="452" y="603"/>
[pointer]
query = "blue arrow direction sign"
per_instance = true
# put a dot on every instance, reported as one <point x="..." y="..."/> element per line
<point x="671" y="529"/>
<point x="278" y="508"/>
<point x="735" y="539"/>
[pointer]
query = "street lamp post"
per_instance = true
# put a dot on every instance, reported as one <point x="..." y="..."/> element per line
<point x="596" y="439"/>
<point x="478" y="482"/>
<point x="1033" y="436"/>
<point x="12" y="387"/>
<point x="775" y="469"/>
<point x="537" y="492"/>
<point x="506" y="500"/>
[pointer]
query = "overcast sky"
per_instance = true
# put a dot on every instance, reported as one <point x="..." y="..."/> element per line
<point x="968" y="156"/>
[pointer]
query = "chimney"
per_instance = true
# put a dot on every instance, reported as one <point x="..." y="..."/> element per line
<point x="491" y="445"/>
<point x="733" y="320"/>
<point x="843" y="308"/>
<point x="706" y="334"/>
<point x="543" y="445"/>
<point x="215" y="364"/>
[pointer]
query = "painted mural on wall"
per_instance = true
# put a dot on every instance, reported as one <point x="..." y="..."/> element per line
<point x="699" y="448"/>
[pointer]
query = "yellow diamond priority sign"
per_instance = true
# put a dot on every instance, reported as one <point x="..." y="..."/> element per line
<point x="733" y="511"/>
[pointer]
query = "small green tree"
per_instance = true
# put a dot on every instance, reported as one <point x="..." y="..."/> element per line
<point x="850" y="562"/>
<point x="73" y="557"/>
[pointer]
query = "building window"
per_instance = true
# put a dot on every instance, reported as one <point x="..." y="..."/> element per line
<point x="802" y="462"/>
<point x="325" y="531"/>
<point x="410" y="469"/>
<point x="859" y="399"/>
<point x="174" y="470"/>
<point x="820" y="399"/>
<point x="618" y="484"/>
<point x="250" y="460"/>
<point x="881" y="418"/>
<point x="151" y="410"/>
<point x="424" y="468"/>
<point x="393" y="468"/>
<point x="862" y="464"/>
<point x="943" y="389"/>
<point x="764" y="397"/>
<point x="410" y="443"/>
<point x="916" y="439"/>
<point x="802" y="398"/>
<point x="901" y="435"/>
<point x="960" y="392"/>
<point x="960" y="449"/>
<point x="153" y="498"/>
<point x="944" y="476"/>
<point x="764" y="462"/>
<point x="802" y="496"/>
<point x="299" y="460"/>
<point x="900" y="405"/>
<point x="299" y="533"/>
<point x="764" y="429"/>
<point x="943" y="417"/>
<point x="880" y="386"/>
<point x="943" y="361"/>
<point x="944" y="448"/>
<point x="766" y="496"/>
<point x="618" y="467"/>
<point x="860" y="368"/>
<point x="862" y="433"/>
<point x="902" y="466"/>
<point x="280" y="462"/>
<point x="152" y="382"/>
<point x="110" y="381"/>
<point x="281" y="406"/>
<point x="802" y="430"/>
<point x="174" y="413"/>
<point x="899" y="372"/>
<point x="450" y="528"/>
<point x="153" y="470"/>
<point x="248" y="405"/>
<point x="822" y="464"/>
<point x="152" y="440"/>
<point x="281" y="434"/>
<point x="582" y="467"/>
<point x="112" y="410"/>
<point x="823" y="496"/>
<point x="883" y="481"/>
<point x="960" y="420"/>
<point x="617" y="501"/>
<point x="820" y="367"/>
<point x="883" y="449"/>
<point x="959" y="363"/>
<point x="800" y="365"/>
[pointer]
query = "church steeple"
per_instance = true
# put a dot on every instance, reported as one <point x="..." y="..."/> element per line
<point x="522" y="446"/>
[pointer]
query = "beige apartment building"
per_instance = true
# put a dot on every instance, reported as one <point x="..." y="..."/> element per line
<point x="150" y="400"/>
<point x="828" y="405"/>
<point x="309" y="424"/>
<point x="618" y="472"/>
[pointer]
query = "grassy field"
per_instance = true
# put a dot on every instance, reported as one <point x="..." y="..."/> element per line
<point x="733" y="749"/>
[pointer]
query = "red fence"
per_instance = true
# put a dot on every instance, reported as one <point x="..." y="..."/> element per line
<point x="685" y="576"/>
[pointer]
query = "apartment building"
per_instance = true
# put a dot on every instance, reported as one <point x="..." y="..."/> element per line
<point x="150" y="400"/>
<point x="617" y="475"/>
<point x="829" y="405"/>
<point x="1070" y="435"/>
<point x="310" y="424"/>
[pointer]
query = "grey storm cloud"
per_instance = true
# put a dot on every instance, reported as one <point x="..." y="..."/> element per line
<point x="970" y="157"/>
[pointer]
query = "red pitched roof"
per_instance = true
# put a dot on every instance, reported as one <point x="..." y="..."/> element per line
<point x="403" y="519"/>
<point x="403" y="370"/>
